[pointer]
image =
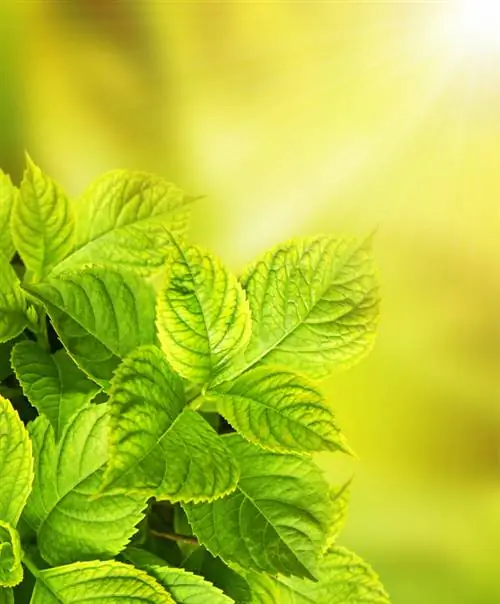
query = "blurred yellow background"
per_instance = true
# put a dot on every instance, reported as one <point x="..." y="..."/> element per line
<point x="303" y="117"/>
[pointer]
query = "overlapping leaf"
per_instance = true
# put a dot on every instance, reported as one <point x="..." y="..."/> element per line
<point x="11" y="571"/>
<point x="184" y="587"/>
<point x="42" y="223"/>
<point x="97" y="582"/>
<point x="201" y="562"/>
<point x="343" y="578"/>
<point x="100" y="314"/>
<point x="203" y="316"/>
<point x="278" y="410"/>
<point x="276" y="520"/>
<point x="12" y="303"/>
<point x="16" y="464"/>
<point x="52" y="382"/>
<point x="314" y="305"/>
<point x="124" y="220"/>
<point x="71" y="522"/>
<point x="8" y="196"/>
<point x="157" y="445"/>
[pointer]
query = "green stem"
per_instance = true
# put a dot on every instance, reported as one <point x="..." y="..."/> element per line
<point x="42" y="337"/>
<point x="30" y="565"/>
<point x="174" y="537"/>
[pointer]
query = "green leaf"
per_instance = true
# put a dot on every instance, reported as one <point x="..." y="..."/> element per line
<point x="6" y="595"/>
<point x="157" y="445"/>
<point x="52" y="382"/>
<point x="8" y="196"/>
<point x="5" y="353"/>
<point x="184" y="587"/>
<point x="265" y="589"/>
<point x="100" y="315"/>
<point x="11" y="570"/>
<point x="97" y="582"/>
<point x="12" y="303"/>
<point x="279" y="410"/>
<point x="201" y="562"/>
<point x="203" y="316"/>
<point x="343" y="578"/>
<point x="314" y="305"/>
<point x="42" y="223"/>
<point x="340" y="497"/>
<point x="71" y="522"/>
<point x="277" y="520"/>
<point x="16" y="464"/>
<point x="124" y="220"/>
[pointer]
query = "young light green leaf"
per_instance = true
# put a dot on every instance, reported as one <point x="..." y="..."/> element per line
<point x="8" y="196"/>
<point x="6" y="595"/>
<point x="97" y="582"/>
<point x="276" y="521"/>
<point x="16" y="464"/>
<point x="12" y="303"/>
<point x="51" y="382"/>
<point x="203" y="317"/>
<point x="278" y="410"/>
<point x="157" y="445"/>
<point x="314" y="305"/>
<point x="124" y="220"/>
<point x="100" y="315"/>
<point x="343" y="578"/>
<point x="71" y="522"/>
<point x="184" y="587"/>
<point x="11" y="570"/>
<point x="42" y="223"/>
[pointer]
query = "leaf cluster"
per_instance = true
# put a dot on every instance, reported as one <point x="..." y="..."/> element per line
<point x="159" y="416"/>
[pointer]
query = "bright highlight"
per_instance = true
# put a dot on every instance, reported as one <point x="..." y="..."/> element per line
<point x="475" y="28"/>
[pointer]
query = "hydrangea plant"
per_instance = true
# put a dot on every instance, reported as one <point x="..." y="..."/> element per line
<point x="160" y="416"/>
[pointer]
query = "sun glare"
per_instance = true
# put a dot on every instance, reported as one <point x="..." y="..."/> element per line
<point x="474" y="26"/>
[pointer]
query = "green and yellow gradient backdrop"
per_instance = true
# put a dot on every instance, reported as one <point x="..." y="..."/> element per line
<point x="302" y="117"/>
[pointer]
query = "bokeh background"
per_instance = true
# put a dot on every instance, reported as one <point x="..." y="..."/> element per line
<point x="302" y="117"/>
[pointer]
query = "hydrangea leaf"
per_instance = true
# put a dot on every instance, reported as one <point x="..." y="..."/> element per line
<point x="340" y="497"/>
<point x="12" y="303"/>
<point x="42" y="223"/>
<point x="100" y="314"/>
<point x="277" y="519"/>
<point x="232" y="583"/>
<point x="279" y="410"/>
<point x="52" y="383"/>
<point x="8" y="196"/>
<point x="184" y="587"/>
<point x="11" y="570"/>
<point x="97" y="582"/>
<point x="314" y="305"/>
<point x="16" y="464"/>
<point x="157" y="445"/>
<point x="70" y="521"/>
<point x="343" y="578"/>
<point x="124" y="220"/>
<point x="203" y="316"/>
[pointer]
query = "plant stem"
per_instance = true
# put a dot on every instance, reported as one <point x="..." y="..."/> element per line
<point x="30" y="565"/>
<point x="175" y="537"/>
<point x="42" y="336"/>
